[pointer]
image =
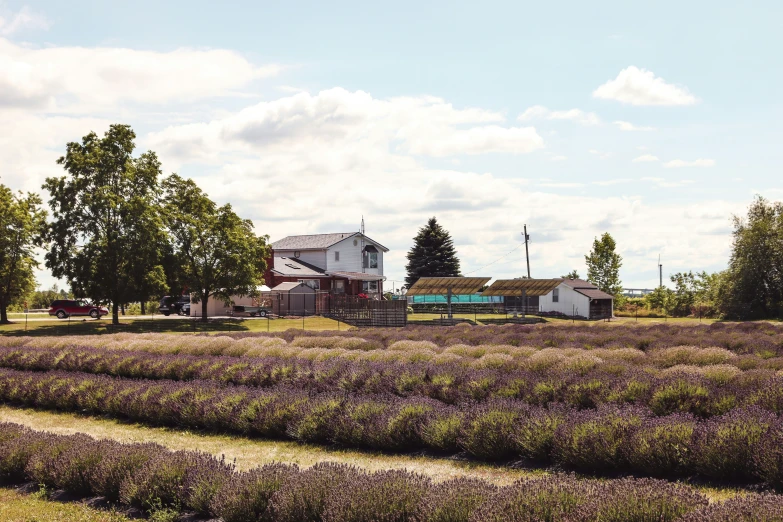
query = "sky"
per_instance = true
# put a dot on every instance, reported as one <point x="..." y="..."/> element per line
<point x="653" y="122"/>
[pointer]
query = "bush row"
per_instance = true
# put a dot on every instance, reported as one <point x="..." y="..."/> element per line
<point x="745" y="444"/>
<point x="762" y="339"/>
<point x="577" y="381"/>
<point x="149" y="477"/>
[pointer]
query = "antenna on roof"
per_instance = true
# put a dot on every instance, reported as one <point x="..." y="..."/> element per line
<point x="361" y="237"/>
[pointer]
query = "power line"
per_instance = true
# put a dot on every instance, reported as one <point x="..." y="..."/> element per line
<point x="496" y="260"/>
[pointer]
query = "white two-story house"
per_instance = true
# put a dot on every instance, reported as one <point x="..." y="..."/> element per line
<point x="342" y="263"/>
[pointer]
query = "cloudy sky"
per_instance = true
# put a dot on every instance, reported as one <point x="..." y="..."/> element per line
<point x="575" y="118"/>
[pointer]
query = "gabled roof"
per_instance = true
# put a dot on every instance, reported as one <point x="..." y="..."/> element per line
<point x="317" y="241"/>
<point x="285" y="287"/>
<point x="290" y="267"/>
<point x="578" y="283"/>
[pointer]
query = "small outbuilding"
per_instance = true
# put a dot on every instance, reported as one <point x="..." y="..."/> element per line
<point x="292" y="298"/>
<point x="576" y="297"/>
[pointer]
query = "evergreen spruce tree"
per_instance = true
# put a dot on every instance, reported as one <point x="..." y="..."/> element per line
<point x="432" y="255"/>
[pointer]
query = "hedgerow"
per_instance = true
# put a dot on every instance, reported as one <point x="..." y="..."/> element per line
<point x="153" y="478"/>
<point x="607" y="439"/>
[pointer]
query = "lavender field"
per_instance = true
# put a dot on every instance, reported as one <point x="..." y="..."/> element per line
<point x="698" y="404"/>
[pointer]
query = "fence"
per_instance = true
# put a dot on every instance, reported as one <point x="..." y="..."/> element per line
<point x="366" y="312"/>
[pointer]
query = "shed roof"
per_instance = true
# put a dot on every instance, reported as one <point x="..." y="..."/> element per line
<point x="514" y="287"/>
<point x="593" y="293"/>
<point x="285" y="287"/>
<point x="317" y="241"/>
<point x="441" y="285"/>
<point x="359" y="276"/>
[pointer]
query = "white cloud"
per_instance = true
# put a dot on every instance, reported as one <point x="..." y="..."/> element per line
<point x="636" y="86"/>
<point x="577" y="115"/>
<point x="80" y="79"/>
<point x="562" y="185"/>
<point x="608" y="182"/>
<point x="673" y="164"/>
<point x="664" y="183"/>
<point x="645" y="158"/>
<point x="336" y="117"/>
<point x="558" y="158"/>
<point x="25" y="18"/>
<point x="630" y="127"/>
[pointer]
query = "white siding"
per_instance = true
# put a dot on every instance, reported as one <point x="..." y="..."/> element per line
<point x="351" y="257"/>
<point x="216" y="307"/>
<point x="569" y="302"/>
<point x="314" y="257"/>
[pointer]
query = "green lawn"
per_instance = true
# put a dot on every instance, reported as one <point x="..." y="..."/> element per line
<point x="128" y="324"/>
<point x="23" y="507"/>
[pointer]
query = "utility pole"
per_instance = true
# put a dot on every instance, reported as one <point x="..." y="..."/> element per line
<point x="527" y="255"/>
<point x="660" y="272"/>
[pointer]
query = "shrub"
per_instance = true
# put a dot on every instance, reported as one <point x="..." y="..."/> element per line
<point x="303" y="498"/>
<point x="743" y="508"/>
<point x="661" y="446"/>
<point x="723" y="446"/>
<point x="551" y="499"/>
<point x="640" y="500"/>
<point x="592" y="440"/>
<point x="245" y="497"/>
<point x="768" y="456"/>
<point x="454" y="500"/>
<point x="114" y="468"/>
<point x="487" y="433"/>
<point x="387" y="496"/>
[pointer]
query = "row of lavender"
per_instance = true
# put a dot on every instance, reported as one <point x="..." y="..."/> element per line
<point x="149" y="477"/>
<point x="579" y="382"/>
<point x="741" y="338"/>
<point x="745" y="444"/>
<point x="763" y="339"/>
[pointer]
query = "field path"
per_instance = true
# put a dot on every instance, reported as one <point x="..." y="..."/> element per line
<point x="249" y="453"/>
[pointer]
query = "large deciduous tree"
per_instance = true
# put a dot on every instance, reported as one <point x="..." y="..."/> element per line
<point x="603" y="265"/>
<point x="219" y="254"/>
<point x="107" y="232"/>
<point x="22" y="224"/>
<point x="432" y="255"/>
<point x="753" y="286"/>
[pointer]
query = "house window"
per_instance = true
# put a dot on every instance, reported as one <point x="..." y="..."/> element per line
<point x="373" y="260"/>
<point x="312" y="283"/>
<point x="339" y="286"/>
<point x="337" y="256"/>
<point x="555" y="295"/>
<point x="369" y="286"/>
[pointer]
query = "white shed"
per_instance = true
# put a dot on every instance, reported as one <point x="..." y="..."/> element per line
<point x="575" y="297"/>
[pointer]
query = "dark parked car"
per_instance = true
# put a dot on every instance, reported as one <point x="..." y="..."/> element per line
<point x="172" y="304"/>
<point x="63" y="308"/>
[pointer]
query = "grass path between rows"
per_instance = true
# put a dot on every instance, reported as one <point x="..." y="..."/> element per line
<point x="249" y="453"/>
<point x="23" y="507"/>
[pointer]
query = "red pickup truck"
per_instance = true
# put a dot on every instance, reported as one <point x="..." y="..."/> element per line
<point x="66" y="308"/>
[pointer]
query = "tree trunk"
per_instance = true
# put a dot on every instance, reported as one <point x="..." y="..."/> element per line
<point x="143" y="308"/>
<point x="4" y="313"/>
<point x="204" y="308"/>
<point x="115" y="313"/>
<point x="122" y="309"/>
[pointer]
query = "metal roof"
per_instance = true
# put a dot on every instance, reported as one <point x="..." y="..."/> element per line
<point x="288" y="266"/>
<point x="593" y="293"/>
<point x="441" y="285"/>
<point x="317" y="241"/>
<point x="514" y="287"/>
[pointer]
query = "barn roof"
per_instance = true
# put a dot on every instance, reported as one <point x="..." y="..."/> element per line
<point x="578" y="283"/>
<point x="317" y="241"/>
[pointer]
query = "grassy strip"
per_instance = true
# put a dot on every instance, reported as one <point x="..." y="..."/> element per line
<point x="251" y="453"/>
<point x="20" y="507"/>
<point x="81" y="326"/>
<point x="157" y="480"/>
